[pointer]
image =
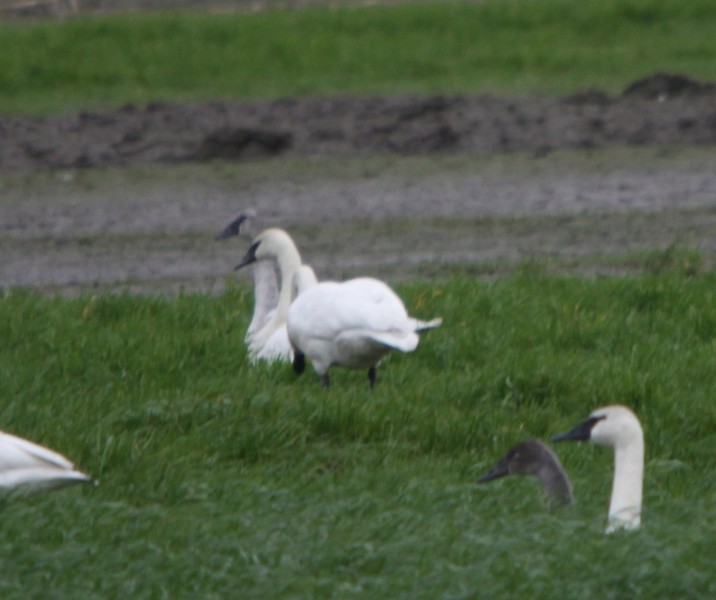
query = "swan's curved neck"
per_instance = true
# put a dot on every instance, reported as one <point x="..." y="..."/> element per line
<point x="555" y="484"/>
<point x="288" y="263"/>
<point x="625" y="505"/>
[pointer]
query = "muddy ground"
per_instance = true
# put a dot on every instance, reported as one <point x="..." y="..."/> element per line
<point x="397" y="186"/>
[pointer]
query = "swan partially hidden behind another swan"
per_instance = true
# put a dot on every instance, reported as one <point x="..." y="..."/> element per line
<point x="534" y="458"/>
<point x="618" y="427"/>
<point x="271" y="250"/>
<point x="28" y="467"/>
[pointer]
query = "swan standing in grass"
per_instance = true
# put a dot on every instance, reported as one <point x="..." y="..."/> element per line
<point x="618" y="427"/>
<point x="265" y="289"/>
<point x="534" y="458"/>
<point x="266" y="336"/>
<point x="352" y="324"/>
<point x="29" y="467"/>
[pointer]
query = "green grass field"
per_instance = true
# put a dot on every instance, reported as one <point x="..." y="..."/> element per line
<point x="219" y="480"/>
<point x="527" y="46"/>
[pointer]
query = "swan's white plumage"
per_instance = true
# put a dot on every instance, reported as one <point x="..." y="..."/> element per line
<point x="265" y="296"/>
<point x="619" y="428"/>
<point x="27" y="466"/>
<point x="352" y="324"/>
<point x="273" y="251"/>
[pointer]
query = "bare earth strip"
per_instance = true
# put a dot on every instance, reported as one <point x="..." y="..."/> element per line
<point x="131" y="198"/>
<point x="152" y="228"/>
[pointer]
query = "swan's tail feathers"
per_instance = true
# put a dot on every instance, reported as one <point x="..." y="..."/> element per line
<point x="422" y="325"/>
<point x="398" y="340"/>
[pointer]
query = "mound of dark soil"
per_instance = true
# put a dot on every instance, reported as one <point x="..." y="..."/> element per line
<point x="662" y="109"/>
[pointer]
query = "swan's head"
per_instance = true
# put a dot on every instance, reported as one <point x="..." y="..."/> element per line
<point x="526" y="458"/>
<point x="303" y="279"/>
<point x="613" y="426"/>
<point x="270" y="244"/>
<point x="240" y="225"/>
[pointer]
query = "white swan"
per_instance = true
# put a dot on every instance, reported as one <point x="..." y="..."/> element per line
<point x="534" y="458"/>
<point x="29" y="467"/>
<point x="273" y="249"/>
<point x="618" y="427"/>
<point x="265" y="293"/>
<point x="352" y="324"/>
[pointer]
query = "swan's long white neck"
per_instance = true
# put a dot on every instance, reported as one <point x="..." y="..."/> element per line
<point x="289" y="261"/>
<point x="288" y="264"/>
<point x="625" y="505"/>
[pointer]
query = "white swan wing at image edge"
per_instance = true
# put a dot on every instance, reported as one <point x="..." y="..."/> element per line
<point x="39" y="478"/>
<point x="16" y="452"/>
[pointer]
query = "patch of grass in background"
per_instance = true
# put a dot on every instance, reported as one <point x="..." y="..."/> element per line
<point x="531" y="46"/>
<point x="219" y="480"/>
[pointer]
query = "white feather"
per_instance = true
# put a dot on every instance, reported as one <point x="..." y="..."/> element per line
<point x="29" y="467"/>
<point x="352" y="324"/>
<point x="274" y="251"/>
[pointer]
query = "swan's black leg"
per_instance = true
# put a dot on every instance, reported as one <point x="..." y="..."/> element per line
<point x="299" y="363"/>
<point x="372" y="374"/>
<point x="325" y="380"/>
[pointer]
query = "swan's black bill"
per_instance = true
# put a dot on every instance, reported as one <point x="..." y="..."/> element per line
<point x="233" y="228"/>
<point x="499" y="470"/>
<point x="580" y="433"/>
<point x="249" y="258"/>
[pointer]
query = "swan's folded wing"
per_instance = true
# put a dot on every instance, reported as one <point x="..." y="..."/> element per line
<point x="17" y="452"/>
<point x="372" y="291"/>
<point x="328" y="309"/>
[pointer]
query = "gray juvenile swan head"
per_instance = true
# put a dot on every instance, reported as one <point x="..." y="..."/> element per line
<point x="619" y="428"/>
<point x="244" y="224"/>
<point x="534" y="458"/>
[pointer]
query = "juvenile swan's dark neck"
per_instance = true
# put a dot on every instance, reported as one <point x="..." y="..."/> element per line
<point x="555" y="483"/>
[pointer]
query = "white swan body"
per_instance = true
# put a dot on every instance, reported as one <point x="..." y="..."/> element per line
<point x="29" y="467"/>
<point x="352" y="324"/>
<point x="534" y="458"/>
<point x="618" y="427"/>
<point x="273" y="249"/>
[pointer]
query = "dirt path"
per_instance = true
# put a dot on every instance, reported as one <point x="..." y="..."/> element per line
<point x="404" y="187"/>
<point x="153" y="228"/>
